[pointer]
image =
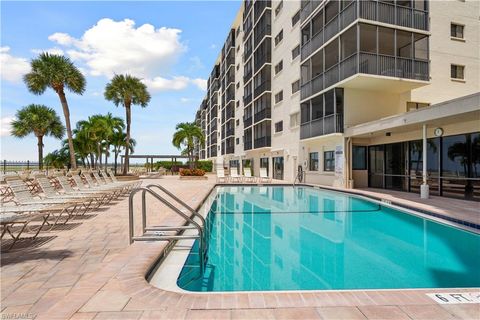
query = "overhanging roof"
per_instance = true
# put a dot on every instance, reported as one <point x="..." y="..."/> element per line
<point x="463" y="108"/>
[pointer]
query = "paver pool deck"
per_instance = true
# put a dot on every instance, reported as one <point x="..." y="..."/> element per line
<point x="88" y="270"/>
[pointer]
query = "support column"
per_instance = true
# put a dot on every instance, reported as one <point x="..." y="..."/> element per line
<point x="424" y="188"/>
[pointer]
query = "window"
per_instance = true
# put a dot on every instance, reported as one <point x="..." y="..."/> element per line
<point x="237" y="104"/>
<point x="295" y="52"/>
<point x="238" y="85"/>
<point x="313" y="163"/>
<point x="416" y="105"/>
<point x="329" y="161"/>
<point x="457" y="72"/>
<point x="279" y="67"/>
<point x="238" y="122"/>
<point x="279" y="126"/>
<point x="294" y="120"/>
<point x="295" y="86"/>
<point x="238" y="66"/>
<point x="296" y="18"/>
<point x="278" y="8"/>
<point x="359" y="158"/>
<point x="456" y="30"/>
<point x="237" y="140"/>
<point x="279" y="97"/>
<point x="279" y="37"/>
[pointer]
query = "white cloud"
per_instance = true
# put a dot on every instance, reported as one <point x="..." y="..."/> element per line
<point x="54" y="50"/>
<point x="185" y="100"/>
<point x="163" y="84"/>
<point x="111" y="47"/>
<point x="200" y="83"/>
<point x="12" y="68"/>
<point x="175" y="83"/>
<point x="5" y="126"/>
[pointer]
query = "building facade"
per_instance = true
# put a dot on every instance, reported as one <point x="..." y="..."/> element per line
<point x="346" y="92"/>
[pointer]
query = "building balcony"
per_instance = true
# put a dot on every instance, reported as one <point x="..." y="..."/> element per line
<point x="247" y="145"/>
<point x="319" y="127"/>
<point x="308" y="7"/>
<point x="263" y="142"/>
<point x="247" y="122"/>
<point x="247" y="99"/>
<point x="369" y="10"/>
<point x="371" y="64"/>
<point x="263" y="114"/>
<point x="265" y="86"/>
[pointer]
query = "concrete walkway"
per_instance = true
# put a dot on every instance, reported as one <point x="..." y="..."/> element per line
<point x="89" y="271"/>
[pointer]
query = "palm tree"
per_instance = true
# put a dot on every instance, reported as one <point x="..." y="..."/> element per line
<point x="118" y="141"/>
<point x="56" y="72"/>
<point x="114" y="124"/>
<point x="127" y="91"/>
<point x="58" y="158"/>
<point x="94" y="131"/>
<point x="39" y="120"/>
<point x="187" y="134"/>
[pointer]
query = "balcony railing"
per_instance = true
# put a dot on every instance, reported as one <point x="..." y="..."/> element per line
<point x="265" y="86"/>
<point x="230" y="149"/>
<point x="263" y="142"/>
<point x="308" y="9"/>
<point x="261" y="32"/>
<point x="247" y="121"/>
<point x="247" y="145"/>
<point x="247" y="99"/>
<point x="229" y="132"/>
<point x="263" y="114"/>
<point x="318" y="127"/>
<point x="369" y="63"/>
<point x="260" y="7"/>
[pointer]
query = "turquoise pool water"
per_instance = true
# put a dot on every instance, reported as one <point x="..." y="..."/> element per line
<point x="285" y="238"/>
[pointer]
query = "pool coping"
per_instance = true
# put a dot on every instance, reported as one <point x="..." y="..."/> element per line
<point x="172" y="286"/>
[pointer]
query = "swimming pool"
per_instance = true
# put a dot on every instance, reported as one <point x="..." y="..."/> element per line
<point x="303" y="238"/>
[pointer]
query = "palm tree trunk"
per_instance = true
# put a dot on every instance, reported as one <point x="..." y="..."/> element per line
<point x="116" y="159"/>
<point x="127" y="140"/>
<point x="107" y="148"/>
<point x="66" y="113"/>
<point x="92" y="160"/>
<point x="40" y="152"/>
<point x="99" y="157"/>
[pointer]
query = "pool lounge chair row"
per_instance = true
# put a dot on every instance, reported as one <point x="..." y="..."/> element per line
<point x="234" y="177"/>
<point x="61" y="197"/>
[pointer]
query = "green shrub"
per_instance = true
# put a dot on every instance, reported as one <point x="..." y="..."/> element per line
<point x="167" y="164"/>
<point x="205" y="165"/>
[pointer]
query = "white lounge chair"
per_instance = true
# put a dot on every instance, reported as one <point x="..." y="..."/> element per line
<point x="247" y="172"/>
<point x="264" y="176"/>
<point x="221" y="176"/>
<point x="234" y="176"/>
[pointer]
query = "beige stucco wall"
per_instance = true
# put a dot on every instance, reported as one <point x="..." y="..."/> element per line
<point x="364" y="105"/>
<point x="444" y="51"/>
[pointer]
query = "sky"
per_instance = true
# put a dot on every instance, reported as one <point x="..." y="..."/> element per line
<point x="170" y="45"/>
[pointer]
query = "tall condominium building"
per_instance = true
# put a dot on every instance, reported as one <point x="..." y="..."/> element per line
<point x="347" y="92"/>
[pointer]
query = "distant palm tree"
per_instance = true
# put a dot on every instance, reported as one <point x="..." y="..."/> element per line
<point x="94" y="131"/>
<point x="127" y="91"/>
<point x="39" y="120"/>
<point x="56" y="72"/>
<point x="186" y="135"/>
<point x="115" y="124"/>
<point x="58" y="158"/>
<point x="119" y="142"/>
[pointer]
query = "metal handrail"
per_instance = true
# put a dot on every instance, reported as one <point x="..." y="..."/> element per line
<point x="193" y="211"/>
<point x="197" y="226"/>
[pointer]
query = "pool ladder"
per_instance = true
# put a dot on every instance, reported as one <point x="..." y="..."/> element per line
<point x="168" y="233"/>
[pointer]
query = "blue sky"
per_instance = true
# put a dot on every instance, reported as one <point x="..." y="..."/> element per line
<point x="172" y="45"/>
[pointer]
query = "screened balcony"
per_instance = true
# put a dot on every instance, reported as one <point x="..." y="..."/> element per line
<point x="380" y="51"/>
<point x="335" y="16"/>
